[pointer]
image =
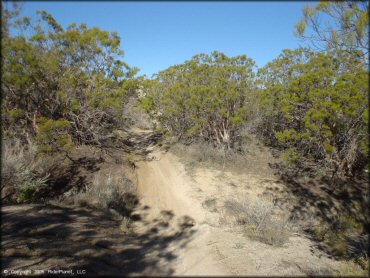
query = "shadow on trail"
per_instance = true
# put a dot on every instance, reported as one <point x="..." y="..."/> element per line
<point x="53" y="237"/>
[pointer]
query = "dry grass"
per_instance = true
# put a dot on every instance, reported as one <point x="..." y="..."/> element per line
<point x="206" y="155"/>
<point x="258" y="220"/>
<point x="352" y="269"/>
<point x="112" y="193"/>
<point x="134" y="115"/>
<point x="248" y="156"/>
<point x="109" y="192"/>
<point x="24" y="172"/>
<point x="126" y="225"/>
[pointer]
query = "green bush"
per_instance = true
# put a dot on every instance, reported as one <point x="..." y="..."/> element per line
<point x="29" y="192"/>
<point x="290" y="156"/>
<point x="337" y="243"/>
<point x="53" y="136"/>
<point x="204" y="97"/>
<point x="310" y="102"/>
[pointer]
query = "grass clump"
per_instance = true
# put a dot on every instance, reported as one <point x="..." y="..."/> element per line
<point x="25" y="172"/>
<point x="259" y="220"/>
<point x="110" y="192"/>
<point x="343" y="238"/>
<point x="206" y="155"/>
<point x="351" y="268"/>
<point x="29" y="192"/>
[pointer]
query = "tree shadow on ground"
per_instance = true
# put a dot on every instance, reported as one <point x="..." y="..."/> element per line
<point x="53" y="237"/>
<point x="307" y="195"/>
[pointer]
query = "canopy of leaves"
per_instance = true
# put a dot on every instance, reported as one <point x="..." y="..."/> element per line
<point x="75" y="75"/>
<point x="336" y="26"/>
<point x="204" y="97"/>
<point x="314" y="107"/>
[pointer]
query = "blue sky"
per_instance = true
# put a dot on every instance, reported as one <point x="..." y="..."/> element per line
<point x="156" y="35"/>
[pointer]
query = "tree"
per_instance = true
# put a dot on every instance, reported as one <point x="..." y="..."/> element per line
<point x="337" y="26"/>
<point x="204" y="97"/>
<point x="314" y="108"/>
<point x="73" y="75"/>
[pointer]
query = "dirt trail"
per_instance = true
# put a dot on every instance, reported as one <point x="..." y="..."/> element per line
<point x="164" y="187"/>
<point x="178" y="227"/>
<point x="196" y="203"/>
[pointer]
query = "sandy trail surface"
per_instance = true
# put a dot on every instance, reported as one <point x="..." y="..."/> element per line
<point x="196" y="203"/>
<point x="165" y="188"/>
<point x="180" y="227"/>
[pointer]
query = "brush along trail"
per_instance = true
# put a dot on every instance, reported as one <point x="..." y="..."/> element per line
<point x="180" y="225"/>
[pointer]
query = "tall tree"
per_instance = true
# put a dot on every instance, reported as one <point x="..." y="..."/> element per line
<point x="339" y="26"/>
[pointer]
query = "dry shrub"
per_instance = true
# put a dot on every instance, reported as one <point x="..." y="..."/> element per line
<point x="134" y="115"/>
<point x="25" y="173"/>
<point x="316" y="271"/>
<point x="110" y="192"/>
<point x="207" y="155"/>
<point x="126" y="225"/>
<point x="247" y="155"/>
<point x="259" y="220"/>
<point x="351" y="269"/>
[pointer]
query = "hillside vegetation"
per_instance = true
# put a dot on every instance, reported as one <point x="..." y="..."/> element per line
<point x="66" y="89"/>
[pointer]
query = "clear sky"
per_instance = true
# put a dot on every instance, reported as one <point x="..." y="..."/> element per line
<point x="156" y="35"/>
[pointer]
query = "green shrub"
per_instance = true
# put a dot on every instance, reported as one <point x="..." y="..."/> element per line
<point x="53" y="136"/>
<point x="337" y="243"/>
<point x="290" y="156"/>
<point x="29" y="192"/>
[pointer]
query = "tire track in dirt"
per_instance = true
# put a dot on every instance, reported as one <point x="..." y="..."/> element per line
<point x="163" y="185"/>
<point x="214" y="248"/>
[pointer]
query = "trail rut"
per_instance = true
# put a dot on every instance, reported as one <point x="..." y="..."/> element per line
<point x="177" y="226"/>
<point x="164" y="186"/>
<point x="195" y="203"/>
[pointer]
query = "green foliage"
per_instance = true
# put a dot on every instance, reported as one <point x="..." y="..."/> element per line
<point x="204" y="97"/>
<point x="348" y="28"/>
<point x="291" y="156"/>
<point x="309" y="104"/>
<point x="312" y="104"/>
<point x="53" y="136"/>
<point x="29" y="192"/>
<point x="75" y="74"/>
<point x="16" y="114"/>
